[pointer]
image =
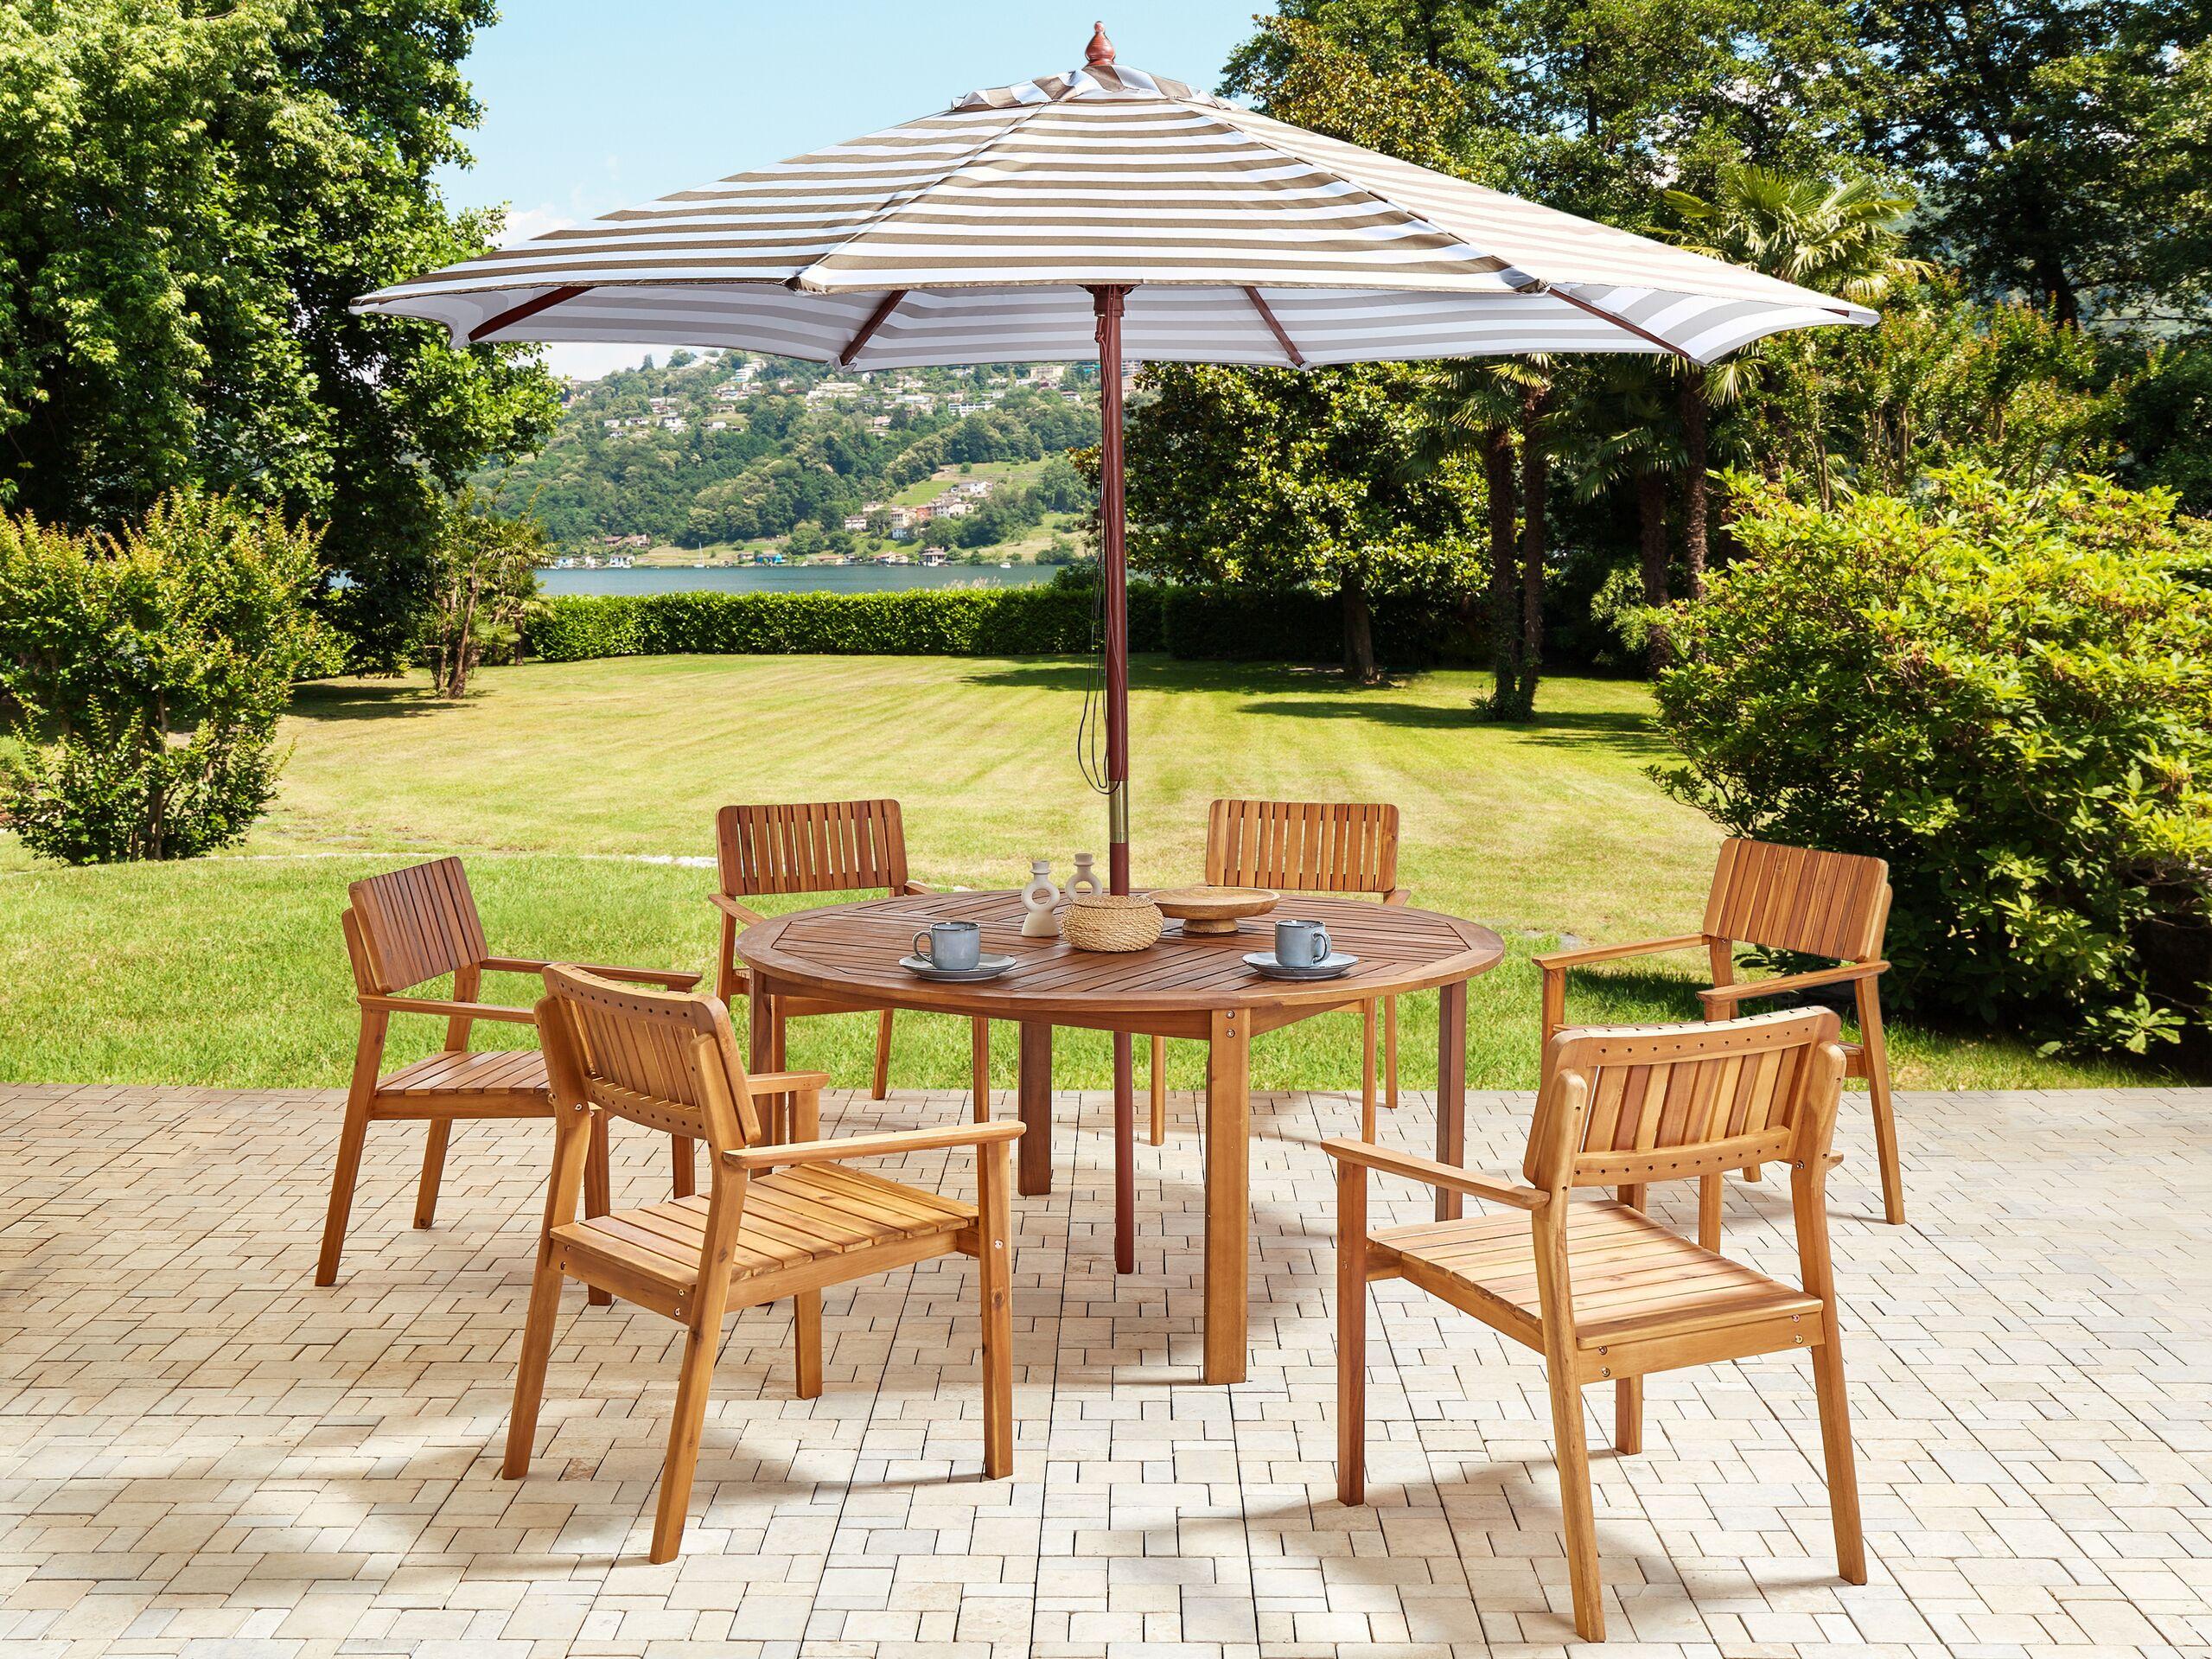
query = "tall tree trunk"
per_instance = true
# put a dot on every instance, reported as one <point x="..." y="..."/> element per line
<point x="1535" y="495"/>
<point x="1359" y="631"/>
<point x="1505" y="600"/>
<point x="1651" y="514"/>
<point x="1695" y="463"/>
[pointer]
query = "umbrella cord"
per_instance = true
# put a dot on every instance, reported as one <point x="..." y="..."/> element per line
<point x="1090" y="729"/>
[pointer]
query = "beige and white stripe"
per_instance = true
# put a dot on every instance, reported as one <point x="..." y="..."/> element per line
<point x="1244" y="240"/>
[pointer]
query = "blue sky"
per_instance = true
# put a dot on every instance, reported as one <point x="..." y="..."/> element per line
<point x="590" y="105"/>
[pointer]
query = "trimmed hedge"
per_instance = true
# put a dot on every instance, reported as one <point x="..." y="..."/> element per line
<point x="1052" y="619"/>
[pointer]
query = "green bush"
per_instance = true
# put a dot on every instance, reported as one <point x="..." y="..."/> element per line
<point x="147" y="671"/>
<point x="2008" y="695"/>
<point x="576" y="626"/>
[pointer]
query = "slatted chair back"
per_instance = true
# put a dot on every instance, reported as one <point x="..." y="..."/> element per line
<point x="1673" y="1102"/>
<point x="410" y="926"/>
<point x="1833" y="904"/>
<point x="1303" y="846"/>
<point x="823" y="847"/>
<point x="660" y="1058"/>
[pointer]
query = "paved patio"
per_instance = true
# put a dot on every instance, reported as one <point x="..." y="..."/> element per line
<point x="201" y="1453"/>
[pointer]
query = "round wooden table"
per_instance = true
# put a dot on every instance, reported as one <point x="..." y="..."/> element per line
<point x="1197" y="987"/>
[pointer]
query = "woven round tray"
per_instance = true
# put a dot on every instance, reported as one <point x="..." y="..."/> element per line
<point x="1110" y="922"/>
<point x="1214" y="910"/>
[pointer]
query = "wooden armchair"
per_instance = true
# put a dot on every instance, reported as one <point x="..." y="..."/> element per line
<point x="826" y="846"/>
<point x="1782" y="898"/>
<point x="1305" y="847"/>
<point x="782" y="1216"/>
<point x="1604" y="1292"/>
<point x="403" y="929"/>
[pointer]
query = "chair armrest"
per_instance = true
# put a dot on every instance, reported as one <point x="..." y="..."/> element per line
<point x="1728" y="995"/>
<point x="786" y="1082"/>
<point x="736" y="912"/>
<point x="1554" y="961"/>
<point x="1427" y="1171"/>
<point x="917" y="887"/>
<point x="1399" y="895"/>
<point x="891" y="1146"/>
<point x="674" y="978"/>
<point x="449" y="1009"/>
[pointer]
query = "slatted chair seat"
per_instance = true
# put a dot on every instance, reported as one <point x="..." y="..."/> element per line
<point x="791" y="1217"/>
<point x="1601" y="1291"/>
<point x="784" y="1215"/>
<point x="1634" y="1280"/>
<point x="517" y="1074"/>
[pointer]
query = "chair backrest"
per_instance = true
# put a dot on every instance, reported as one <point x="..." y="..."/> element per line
<point x="1794" y="898"/>
<point x="666" y="1059"/>
<point x="1672" y="1102"/>
<point x="411" y="925"/>
<point x="823" y="847"/>
<point x="1303" y="846"/>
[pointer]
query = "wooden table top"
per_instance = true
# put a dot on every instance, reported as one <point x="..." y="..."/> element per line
<point x="852" y="951"/>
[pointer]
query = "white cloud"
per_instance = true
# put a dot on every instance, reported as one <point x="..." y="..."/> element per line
<point x="523" y="223"/>
<point x="589" y="361"/>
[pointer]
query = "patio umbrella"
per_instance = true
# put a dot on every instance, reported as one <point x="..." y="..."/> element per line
<point x="1112" y="213"/>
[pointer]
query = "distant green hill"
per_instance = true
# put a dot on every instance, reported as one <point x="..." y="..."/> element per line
<point x="730" y="447"/>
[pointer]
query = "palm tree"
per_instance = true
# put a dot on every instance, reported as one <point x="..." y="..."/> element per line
<point x="1626" y="412"/>
<point x="1838" y="237"/>
<point x="1474" y="408"/>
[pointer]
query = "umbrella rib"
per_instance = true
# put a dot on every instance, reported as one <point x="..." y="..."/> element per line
<point x="884" y="307"/>
<point x="1620" y="321"/>
<point x="1282" y="336"/>
<point x="528" y="308"/>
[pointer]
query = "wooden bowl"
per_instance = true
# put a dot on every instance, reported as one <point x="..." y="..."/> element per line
<point x="1214" y="910"/>
<point x="1110" y="922"/>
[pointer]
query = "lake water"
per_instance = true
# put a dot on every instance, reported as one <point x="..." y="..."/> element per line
<point x="769" y="578"/>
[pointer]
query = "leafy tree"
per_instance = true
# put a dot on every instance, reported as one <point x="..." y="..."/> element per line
<point x="1279" y="479"/>
<point x="148" y="669"/>
<point x="483" y="580"/>
<point x="2005" y="693"/>
<point x="195" y="191"/>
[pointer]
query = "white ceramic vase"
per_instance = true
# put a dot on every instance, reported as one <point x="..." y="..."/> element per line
<point x="1086" y="879"/>
<point x="1040" y="899"/>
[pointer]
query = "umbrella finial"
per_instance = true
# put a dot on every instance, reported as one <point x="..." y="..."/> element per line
<point x="1100" y="49"/>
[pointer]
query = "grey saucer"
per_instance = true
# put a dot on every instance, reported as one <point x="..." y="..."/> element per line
<point x="1335" y="964"/>
<point x="987" y="968"/>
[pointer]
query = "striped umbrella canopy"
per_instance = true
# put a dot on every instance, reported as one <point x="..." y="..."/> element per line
<point x="1112" y="212"/>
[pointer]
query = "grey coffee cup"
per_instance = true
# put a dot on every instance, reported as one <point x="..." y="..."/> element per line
<point x="1301" y="944"/>
<point x="955" y="947"/>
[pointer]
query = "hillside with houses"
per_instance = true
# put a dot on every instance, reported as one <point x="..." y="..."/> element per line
<point x="732" y="456"/>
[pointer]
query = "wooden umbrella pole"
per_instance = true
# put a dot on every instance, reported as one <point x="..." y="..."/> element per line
<point x="1114" y="571"/>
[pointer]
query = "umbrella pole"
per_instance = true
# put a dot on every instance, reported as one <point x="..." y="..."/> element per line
<point x="1114" y="571"/>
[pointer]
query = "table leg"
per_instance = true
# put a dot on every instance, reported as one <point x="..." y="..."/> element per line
<point x="1229" y="1195"/>
<point x="1125" y="1155"/>
<point x="764" y="1026"/>
<point x="1451" y="1087"/>
<point x="1033" y="1101"/>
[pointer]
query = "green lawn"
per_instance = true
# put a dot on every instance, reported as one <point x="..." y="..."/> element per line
<point x="573" y="789"/>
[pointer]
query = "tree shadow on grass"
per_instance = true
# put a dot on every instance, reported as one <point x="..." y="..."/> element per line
<point x="1623" y="733"/>
<point x="1164" y="673"/>
<point x="353" y="699"/>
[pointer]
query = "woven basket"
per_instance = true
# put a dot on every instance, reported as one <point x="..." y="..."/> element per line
<point x="1111" y="921"/>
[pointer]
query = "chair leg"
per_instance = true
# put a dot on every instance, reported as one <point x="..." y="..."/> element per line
<point x="1369" y="1050"/>
<point x="807" y="1345"/>
<point x="1390" y="1052"/>
<point x="1843" y="1472"/>
<point x="979" y="1068"/>
<point x="994" y="1283"/>
<point x="1351" y="1335"/>
<point x="350" y="1140"/>
<point x="684" y="1172"/>
<point x="691" y="1386"/>
<point x="1627" y="1416"/>
<point x="1709" y="1198"/>
<point x="883" y="1082"/>
<point x="1575" y="1505"/>
<point x="1159" y="1082"/>
<point x="599" y="1193"/>
<point x="433" y="1169"/>
<point x="1874" y="1049"/>
<point x="530" y="1370"/>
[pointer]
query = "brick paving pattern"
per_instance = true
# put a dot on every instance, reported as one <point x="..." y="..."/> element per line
<point x="202" y="1454"/>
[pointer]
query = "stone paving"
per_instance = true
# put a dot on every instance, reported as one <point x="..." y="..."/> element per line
<point x="201" y="1453"/>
